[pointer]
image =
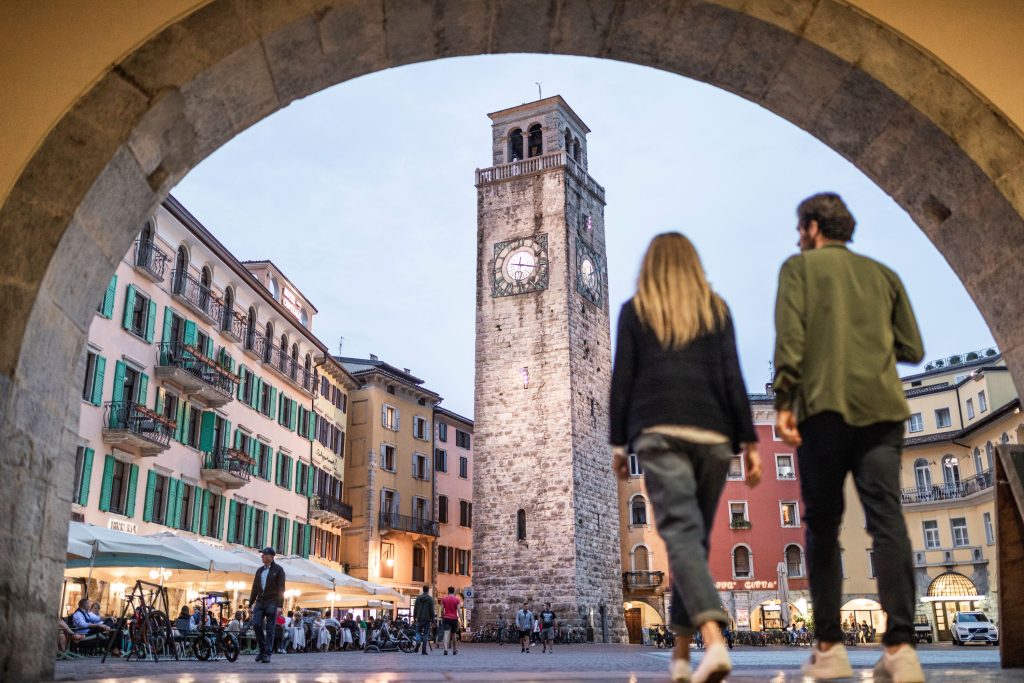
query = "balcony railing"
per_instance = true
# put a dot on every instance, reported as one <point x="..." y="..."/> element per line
<point x="256" y="344"/>
<point x="229" y="466"/>
<point x="289" y="367"/>
<point x="142" y="426"/>
<point x="197" y="295"/>
<point x="947" y="491"/>
<point x="391" y="520"/>
<point x="739" y="524"/>
<point x="537" y="164"/>
<point x="644" y="580"/>
<point x="234" y="323"/>
<point x="329" y="507"/>
<point x="192" y="361"/>
<point x="151" y="259"/>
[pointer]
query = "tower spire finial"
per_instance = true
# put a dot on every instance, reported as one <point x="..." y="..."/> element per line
<point x="539" y="95"/>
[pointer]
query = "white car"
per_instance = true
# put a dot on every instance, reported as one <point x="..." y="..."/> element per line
<point x="973" y="627"/>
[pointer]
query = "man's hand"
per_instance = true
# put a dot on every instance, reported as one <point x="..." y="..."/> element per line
<point x="752" y="464"/>
<point x="785" y="425"/>
<point x="620" y="463"/>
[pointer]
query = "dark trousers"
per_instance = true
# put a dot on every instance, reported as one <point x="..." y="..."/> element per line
<point x="264" y="622"/>
<point x="831" y="449"/>
<point x="423" y="629"/>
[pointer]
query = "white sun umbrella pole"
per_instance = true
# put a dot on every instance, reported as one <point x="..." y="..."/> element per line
<point x="783" y="587"/>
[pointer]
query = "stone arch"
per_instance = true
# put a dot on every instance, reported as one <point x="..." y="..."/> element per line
<point x="905" y="119"/>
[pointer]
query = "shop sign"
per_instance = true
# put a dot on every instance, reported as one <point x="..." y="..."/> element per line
<point x="742" y="610"/>
<point x="121" y="525"/>
<point x="746" y="585"/>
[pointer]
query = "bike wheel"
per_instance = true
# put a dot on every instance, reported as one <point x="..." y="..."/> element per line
<point x="229" y="646"/>
<point x="202" y="648"/>
<point x="407" y="645"/>
<point x="157" y="628"/>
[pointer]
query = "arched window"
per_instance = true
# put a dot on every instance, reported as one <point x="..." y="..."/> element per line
<point x="1004" y="439"/>
<point x="268" y="342"/>
<point x="418" y="561"/>
<point x="307" y="366"/>
<point x="144" y="254"/>
<point x="577" y="151"/>
<point x="641" y="559"/>
<point x="293" y="371"/>
<point x="950" y="470"/>
<point x="794" y="561"/>
<point x="536" y="144"/>
<point x="979" y="465"/>
<point x="923" y="474"/>
<point x="250" y="328"/>
<point x="990" y="455"/>
<point x="180" y="270"/>
<point x="282" y="353"/>
<point x="521" y="525"/>
<point x="229" y="309"/>
<point x="515" y="146"/>
<point x="742" y="565"/>
<point x="638" y="511"/>
<point x="205" y="282"/>
<point x="568" y="143"/>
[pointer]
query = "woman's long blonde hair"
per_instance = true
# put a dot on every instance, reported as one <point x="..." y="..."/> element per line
<point x="673" y="298"/>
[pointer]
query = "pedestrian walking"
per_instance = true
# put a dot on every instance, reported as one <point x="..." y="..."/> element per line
<point x="423" y="614"/>
<point x="842" y="322"/>
<point x="266" y="597"/>
<point x="450" y="615"/>
<point x="524" y="624"/>
<point x="679" y="402"/>
<point x="548" y="626"/>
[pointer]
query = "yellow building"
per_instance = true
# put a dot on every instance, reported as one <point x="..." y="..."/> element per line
<point x="646" y="589"/>
<point x="962" y="407"/>
<point x="388" y="477"/>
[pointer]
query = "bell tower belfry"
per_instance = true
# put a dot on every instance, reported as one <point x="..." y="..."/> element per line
<point x="546" y="527"/>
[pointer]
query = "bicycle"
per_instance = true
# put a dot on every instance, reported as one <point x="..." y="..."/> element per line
<point x="211" y="641"/>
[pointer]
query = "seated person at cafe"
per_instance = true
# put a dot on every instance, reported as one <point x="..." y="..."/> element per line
<point x="236" y="625"/>
<point x="84" y="624"/>
<point x="65" y="636"/>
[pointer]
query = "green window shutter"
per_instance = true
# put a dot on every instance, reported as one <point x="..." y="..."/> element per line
<point x="143" y="388"/>
<point x="293" y="419"/>
<point x="129" y="307"/>
<point x="197" y="508"/>
<point x="119" y="370"/>
<point x="241" y="383"/>
<point x="257" y="388"/>
<point x="191" y="333"/>
<point x="309" y="481"/>
<point x="273" y="536"/>
<point x="296" y="538"/>
<point x="249" y="525"/>
<point x="108" y="298"/>
<point x="97" y="381"/>
<point x="238" y="437"/>
<point x="108" y="483"/>
<point x="231" y="521"/>
<point x="313" y="419"/>
<point x="151" y="321"/>
<point x="207" y="430"/>
<point x="209" y="347"/>
<point x="179" y="430"/>
<point x="179" y="501"/>
<point x="147" y="506"/>
<point x="165" y="336"/>
<point x="273" y="401"/>
<point x="129" y="504"/>
<point x="220" y="516"/>
<point x="284" y="541"/>
<point x="83" y="491"/>
<point x="266" y="519"/>
<point x="307" y="532"/>
<point x="288" y="473"/>
<point x="226" y="432"/>
<point x="204" y="504"/>
<point x="172" y="495"/>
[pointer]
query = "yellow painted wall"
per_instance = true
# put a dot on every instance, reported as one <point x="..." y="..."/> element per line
<point x="52" y="51"/>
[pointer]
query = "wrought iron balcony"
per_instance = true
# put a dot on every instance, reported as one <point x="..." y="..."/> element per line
<point x="289" y="368"/>
<point x="330" y="510"/>
<point x="233" y="323"/>
<point x="198" y="375"/>
<point x="135" y="427"/>
<point x="150" y="259"/>
<point x="256" y="345"/>
<point x="737" y="523"/>
<point x="197" y="296"/>
<point x="947" y="491"/>
<point x="229" y="467"/>
<point x="640" y="581"/>
<point x="415" y="525"/>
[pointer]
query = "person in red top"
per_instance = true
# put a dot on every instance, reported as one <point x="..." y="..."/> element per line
<point x="450" y="619"/>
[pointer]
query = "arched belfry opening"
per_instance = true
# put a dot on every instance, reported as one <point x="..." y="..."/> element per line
<point x="515" y="145"/>
<point x="536" y="142"/>
<point x="928" y="136"/>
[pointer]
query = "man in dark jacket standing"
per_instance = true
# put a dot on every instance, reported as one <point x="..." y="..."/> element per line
<point x="266" y="599"/>
<point x="423" y="615"/>
<point x="843" y="321"/>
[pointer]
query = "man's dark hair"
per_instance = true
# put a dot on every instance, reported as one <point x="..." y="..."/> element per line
<point x="827" y="208"/>
<point x="84" y="603"/>
<point x="451" y="589"/>
<point x="426" y="589"/>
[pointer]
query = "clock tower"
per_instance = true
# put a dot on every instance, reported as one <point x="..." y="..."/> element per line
<point x="546" y="527"/>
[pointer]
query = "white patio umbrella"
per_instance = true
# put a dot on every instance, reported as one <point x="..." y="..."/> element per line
<point x="783" y="583"/>
<point x="78" y="549"/>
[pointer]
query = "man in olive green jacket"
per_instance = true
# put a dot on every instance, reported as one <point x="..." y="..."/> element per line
<point x="842" y="322"/>
<point x="423" y="615"/>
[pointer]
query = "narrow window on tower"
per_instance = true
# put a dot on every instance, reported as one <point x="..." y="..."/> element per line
<point x="521" y="525"/>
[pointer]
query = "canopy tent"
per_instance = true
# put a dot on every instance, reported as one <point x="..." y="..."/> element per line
<point x="78" y="549"/>
<point x="117" y="549"/>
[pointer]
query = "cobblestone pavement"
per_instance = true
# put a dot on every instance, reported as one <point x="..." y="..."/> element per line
<point x="568" y="664"/>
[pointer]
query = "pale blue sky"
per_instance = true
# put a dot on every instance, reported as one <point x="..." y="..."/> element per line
<point x="363" y="195"/>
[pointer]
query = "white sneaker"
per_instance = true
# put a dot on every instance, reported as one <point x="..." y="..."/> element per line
<point x="679" y="670"/>
<point x="901" y="667"/>
<point x="714" y="665"/>
<point x="828" y="665"/>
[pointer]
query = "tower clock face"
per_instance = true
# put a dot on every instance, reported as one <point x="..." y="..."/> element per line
<point x="520" y="266"/>
<point x="589" y="269"/>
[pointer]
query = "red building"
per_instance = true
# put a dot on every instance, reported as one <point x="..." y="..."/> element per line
<point x="756" y="530"/>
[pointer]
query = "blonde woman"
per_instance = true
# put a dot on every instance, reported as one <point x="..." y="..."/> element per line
<point x="678" y="401"/>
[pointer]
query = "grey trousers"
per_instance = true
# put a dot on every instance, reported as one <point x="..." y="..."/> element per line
<point x="685" y="481"/>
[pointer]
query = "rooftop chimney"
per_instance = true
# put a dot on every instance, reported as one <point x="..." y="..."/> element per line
<point x="373" y="357"/>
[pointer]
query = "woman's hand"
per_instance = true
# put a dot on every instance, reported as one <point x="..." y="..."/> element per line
<point x="752" y="464"/>
<point x="620" y="463"/>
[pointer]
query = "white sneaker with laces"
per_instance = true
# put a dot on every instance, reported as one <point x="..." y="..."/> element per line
<point x="902" y="666"/>
<point x="714" y="665"/>
<point x="679" y="670"/>
<point x="824" y="666"/>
